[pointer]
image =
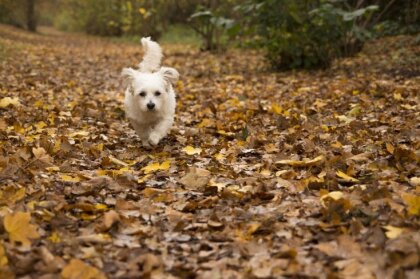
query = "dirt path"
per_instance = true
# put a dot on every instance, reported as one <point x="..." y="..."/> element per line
<point x="300" y="175"/>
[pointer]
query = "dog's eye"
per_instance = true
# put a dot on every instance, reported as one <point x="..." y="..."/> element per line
<point x="142" y="93"/>
<point x="157" y="93"/>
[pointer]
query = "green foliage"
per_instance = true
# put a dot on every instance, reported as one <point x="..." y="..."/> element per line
<point x="112" y="17"/>
<point x="180" y="34"/>
<point x="306" y="33"/>
<point x="211" y="27"/>
<point x="13" y="12"/>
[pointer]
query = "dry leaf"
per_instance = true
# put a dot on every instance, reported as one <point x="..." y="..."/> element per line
<point x="195" y="178"/>
<point x="42" y="156"/>
<point x="110" y="218"/>
<point x="346" y="178"/>
<point x="3" y="257"/>
<point x="191" y="150"/>
<point x="413" y="203"/>
<point x="304" y="163"/>
<point x="9" y="101"/>
<point x="157" y="167"/>
<point x="19" y="228"/>
<point x="68" y="178"/>
<point x="393" y="232"/>
<point x="77" y="269"/>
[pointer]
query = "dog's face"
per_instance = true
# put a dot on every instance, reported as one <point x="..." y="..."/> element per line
<point x="150" y="90"/>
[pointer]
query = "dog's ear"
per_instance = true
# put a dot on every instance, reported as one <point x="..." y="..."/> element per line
<point x="170" y="75"/>
<point x="128" y="74"/>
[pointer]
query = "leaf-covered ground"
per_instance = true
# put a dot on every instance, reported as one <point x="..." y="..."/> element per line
<point x="296" y="175"/>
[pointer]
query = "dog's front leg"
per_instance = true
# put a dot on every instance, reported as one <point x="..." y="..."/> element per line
<point x="160" y="130"/>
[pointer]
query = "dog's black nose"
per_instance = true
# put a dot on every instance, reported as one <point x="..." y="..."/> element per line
<point x="150" y="106"/>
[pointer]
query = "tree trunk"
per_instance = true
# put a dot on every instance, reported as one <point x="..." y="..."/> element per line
<point x="30" y="15"/>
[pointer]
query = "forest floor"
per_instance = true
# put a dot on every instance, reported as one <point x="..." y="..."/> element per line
<point x="306" y="174"/>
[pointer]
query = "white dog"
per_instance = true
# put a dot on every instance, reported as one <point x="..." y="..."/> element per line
<point x="150" y="97"/>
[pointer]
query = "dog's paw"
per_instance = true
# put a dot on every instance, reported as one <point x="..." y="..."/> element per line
<point x="154" y="138"/>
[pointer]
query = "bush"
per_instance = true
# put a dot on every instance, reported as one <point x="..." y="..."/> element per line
<point x="306" y="33"/>
<point x="211" y="28"/>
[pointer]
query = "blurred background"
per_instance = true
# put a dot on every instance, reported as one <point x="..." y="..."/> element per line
<point x="292" y="33"/>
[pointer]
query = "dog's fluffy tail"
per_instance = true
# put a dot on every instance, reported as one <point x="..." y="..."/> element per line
<point x="152" y="56"/>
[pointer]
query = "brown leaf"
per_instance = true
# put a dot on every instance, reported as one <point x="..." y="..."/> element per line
<point x="195" y="179"/>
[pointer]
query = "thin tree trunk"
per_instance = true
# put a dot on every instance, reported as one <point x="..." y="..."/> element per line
<point x="30" y="15"/>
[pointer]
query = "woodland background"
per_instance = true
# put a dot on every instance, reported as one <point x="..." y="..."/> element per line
<point x="294" y="34"/>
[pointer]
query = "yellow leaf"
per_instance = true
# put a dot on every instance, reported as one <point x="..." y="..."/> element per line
<point x="101" y="206"/>
<point x="346" y="177"/>
<point x="10" y="195"/>
<point x="144" y="178"/>
<point x="116" y="161"/>
<point x="219" y="157"/>
<point x="40" y="125"/>
<point x="53" y="168"/>
<point x="413" y="203"/>
<point x="19" y="228"/>
<point x="80" y="134"/>
<point x="253" y="228"/>
<point x="205" y="123"/>
<point x="3" y="258"/>
<point x="156" y="167"/>
<point x="276" y="108"/>
<point x="334" y="195"/>
<point x="265" y="172"/>
<point x="191" y="150"/>
<point x="393" y="232"/>
<point x="389" y="147"/>
<point x="224" y="133"/>
<point x="304" y="163"/>
<point x="77" y="269"/>
<point x="414" y="181"/>
<point x="397" y="96"/>
<point x="68" y="178"/>
<point x="142" y="11"/>
<point x="54" y="237"/>
<point x="9" y="101"/>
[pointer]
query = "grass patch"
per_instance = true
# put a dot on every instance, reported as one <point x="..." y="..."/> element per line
<point x="176" y="34"/>
<point x="180" y="34"/>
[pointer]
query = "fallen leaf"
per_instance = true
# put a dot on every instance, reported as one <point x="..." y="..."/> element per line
<point x="191" y="150"/>
<point x="9" y="101"/>
<point x="11" y="195"/>
<point x="413" y="203"/>
<point x="393" y="232"/>
<point x="346" y="178"/>
<point x="19" y="228"/>
<point x="68" y="178"/>
<point x="3" y="257"/>
<point x="110" y="218"/>
<point x="42" y="156"/>
<point x="304" y="163"/>
<point x="157" y="167"/>
<point x="195" y="178"/>
<point x="334" y="195"/>
<point x="77" y="269"/>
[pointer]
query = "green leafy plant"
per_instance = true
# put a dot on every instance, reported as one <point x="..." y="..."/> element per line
<point x="306" y="33"/>
<point x="210" y="27"/>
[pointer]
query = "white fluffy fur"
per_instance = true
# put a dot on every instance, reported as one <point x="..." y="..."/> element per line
<point x="152" y="57"/>
<point x="150" y="97"/>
